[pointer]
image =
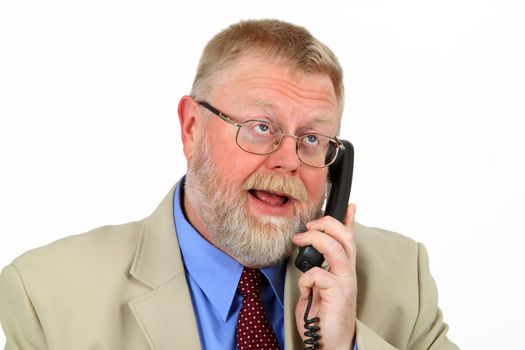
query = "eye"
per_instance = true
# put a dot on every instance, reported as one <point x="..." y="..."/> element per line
<point x="262" y="129"/>
<point x="310" y="140"/>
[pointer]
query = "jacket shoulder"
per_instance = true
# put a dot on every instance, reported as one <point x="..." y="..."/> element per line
<point x="82" y="253"/>
<point x="383" y="240"/>
<point x="397" y="296"/>
<point x="385" y="258"/>
<point x="388" y="280"/>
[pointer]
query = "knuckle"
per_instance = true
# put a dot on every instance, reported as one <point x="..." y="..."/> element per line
<point x="350" y="237"/>
<point x="334" y="246"/>
<point x="315" y="272"/>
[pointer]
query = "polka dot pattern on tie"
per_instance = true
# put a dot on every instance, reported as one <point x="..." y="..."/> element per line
<point x="253" y="329"/>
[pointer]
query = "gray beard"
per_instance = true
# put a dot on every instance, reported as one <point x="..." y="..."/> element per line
<point x="252" y="241"/>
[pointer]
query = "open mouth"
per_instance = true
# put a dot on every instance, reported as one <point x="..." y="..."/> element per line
<point x="270" y="198"/>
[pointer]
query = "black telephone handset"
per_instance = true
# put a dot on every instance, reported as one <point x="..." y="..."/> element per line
<point x="340" y="177"/>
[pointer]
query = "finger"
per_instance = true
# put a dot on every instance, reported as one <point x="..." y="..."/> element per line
<point x="340" y="263"/>
<point x="334" y="229"/>
<point x="349" y="220"/>
<point x="324" y="222"/>
<point x="342" y="233"/>
<point x="315" y="277"/>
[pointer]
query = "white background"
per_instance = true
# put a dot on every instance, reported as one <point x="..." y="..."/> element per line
<point x="89" y="133"/>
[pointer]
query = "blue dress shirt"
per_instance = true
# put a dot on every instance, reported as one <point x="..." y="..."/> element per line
<point x="213" y="277"/>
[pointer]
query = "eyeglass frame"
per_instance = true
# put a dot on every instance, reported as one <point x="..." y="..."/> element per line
<point x="229" y="120"/>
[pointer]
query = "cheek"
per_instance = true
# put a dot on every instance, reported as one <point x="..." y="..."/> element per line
<point x="315" y="183"/>
<point x="231" y="162"/>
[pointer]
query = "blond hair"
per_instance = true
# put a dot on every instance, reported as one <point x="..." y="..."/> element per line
<point x="274" y="39"/>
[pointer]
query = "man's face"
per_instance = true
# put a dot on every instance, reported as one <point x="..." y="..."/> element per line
<point x="272" y="195"/>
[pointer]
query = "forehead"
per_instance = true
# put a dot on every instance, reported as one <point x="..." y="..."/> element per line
<point x="267" y="83"/>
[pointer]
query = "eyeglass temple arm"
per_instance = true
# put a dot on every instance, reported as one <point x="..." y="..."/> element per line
<point x="340" y="144"/>
<point x="217" y="113"/>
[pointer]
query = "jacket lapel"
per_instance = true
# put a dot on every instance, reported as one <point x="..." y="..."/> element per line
<point x="291" y="295"/>
<point x="165" y="314"/>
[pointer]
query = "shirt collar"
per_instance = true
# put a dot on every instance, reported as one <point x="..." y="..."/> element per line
<point x="216" y="273"/>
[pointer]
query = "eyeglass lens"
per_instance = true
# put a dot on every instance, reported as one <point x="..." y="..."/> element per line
<point x="261" y="137"/>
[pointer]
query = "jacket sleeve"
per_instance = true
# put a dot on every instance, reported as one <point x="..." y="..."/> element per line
<point x="429" y="330"/>
<point x="19" y="320"/>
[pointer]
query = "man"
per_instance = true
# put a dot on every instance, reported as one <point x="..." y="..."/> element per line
<point x="212" y="267"/>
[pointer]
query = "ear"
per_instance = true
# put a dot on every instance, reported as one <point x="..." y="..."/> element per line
<point x="190" y="125"/>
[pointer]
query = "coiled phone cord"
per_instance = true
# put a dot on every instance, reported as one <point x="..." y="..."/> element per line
<point x="311" y="329"/>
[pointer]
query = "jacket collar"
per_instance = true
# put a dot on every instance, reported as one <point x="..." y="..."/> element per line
<point x="157" y="258"/>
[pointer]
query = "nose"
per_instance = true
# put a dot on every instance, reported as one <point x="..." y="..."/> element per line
<point x="284" y="159"/>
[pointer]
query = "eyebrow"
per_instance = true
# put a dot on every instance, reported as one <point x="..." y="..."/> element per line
<point x="263" y="103"/>
<point x="268" y="103"/>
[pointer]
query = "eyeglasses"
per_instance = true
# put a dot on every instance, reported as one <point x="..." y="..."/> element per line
<point x="263" y="137"/>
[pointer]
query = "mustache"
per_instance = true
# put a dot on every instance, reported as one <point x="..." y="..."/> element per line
<point x="285" y="185"/>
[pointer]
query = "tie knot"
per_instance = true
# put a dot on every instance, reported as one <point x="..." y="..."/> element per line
<point x="250" y="282"/>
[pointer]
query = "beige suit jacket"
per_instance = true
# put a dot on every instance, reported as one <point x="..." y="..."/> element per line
<point x="124" y="287"/>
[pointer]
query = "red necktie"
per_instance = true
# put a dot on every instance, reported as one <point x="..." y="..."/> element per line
<point x="253" y="329"/>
